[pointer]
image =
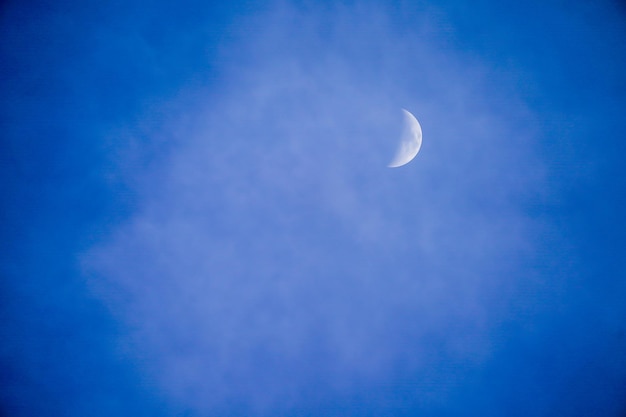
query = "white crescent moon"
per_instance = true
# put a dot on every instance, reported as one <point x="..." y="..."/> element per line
<point x="410" y="142"/>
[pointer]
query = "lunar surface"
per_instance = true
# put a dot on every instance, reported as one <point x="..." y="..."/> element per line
<point x="410" y="141"/>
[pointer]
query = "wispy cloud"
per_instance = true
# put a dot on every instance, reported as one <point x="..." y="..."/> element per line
<point x="275" y="262"/>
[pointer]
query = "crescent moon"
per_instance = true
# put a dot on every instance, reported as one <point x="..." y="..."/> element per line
<point x="410" y="142"/>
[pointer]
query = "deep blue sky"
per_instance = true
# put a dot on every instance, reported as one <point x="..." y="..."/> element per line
<point x="197" y="218"/>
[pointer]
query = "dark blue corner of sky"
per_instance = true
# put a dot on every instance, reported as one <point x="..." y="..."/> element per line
<point x="97" y="100"/>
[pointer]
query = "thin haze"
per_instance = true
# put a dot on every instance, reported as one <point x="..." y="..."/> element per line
<point x="279" y="257"/>
<point x="255" y="257"/>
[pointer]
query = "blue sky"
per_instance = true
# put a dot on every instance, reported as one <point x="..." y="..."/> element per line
<point x="198" y="219"/>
